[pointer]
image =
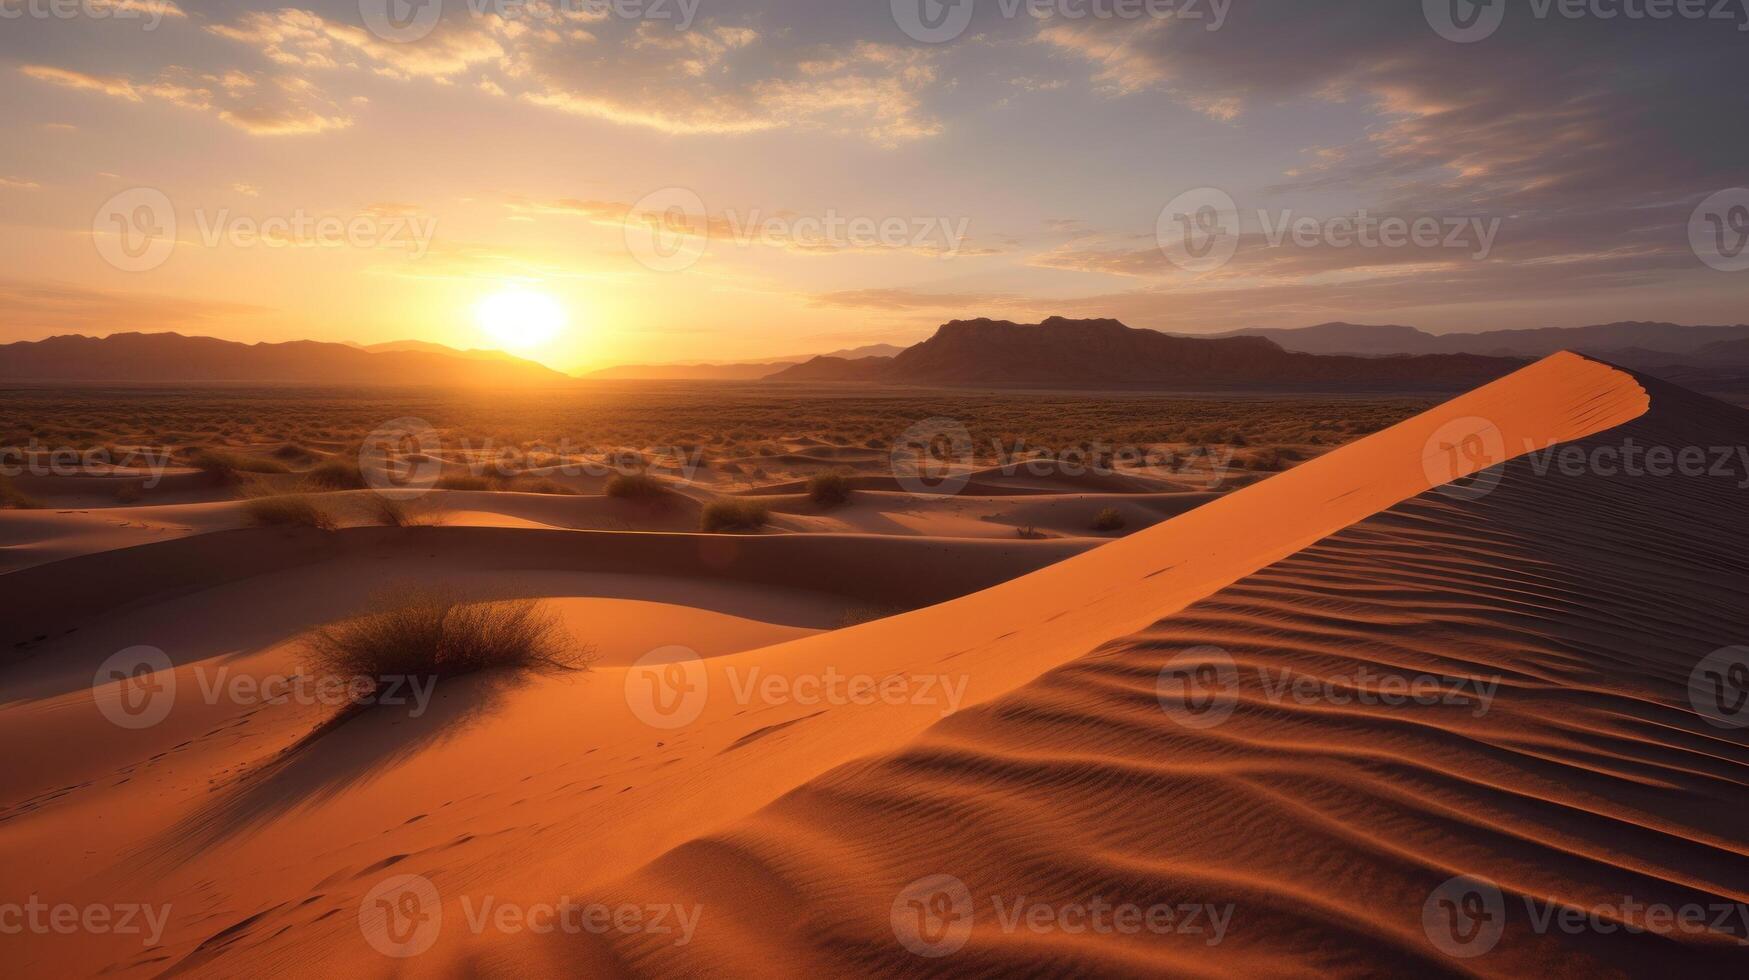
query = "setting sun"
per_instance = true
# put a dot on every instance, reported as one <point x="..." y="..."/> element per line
<point x="520" y="318"/>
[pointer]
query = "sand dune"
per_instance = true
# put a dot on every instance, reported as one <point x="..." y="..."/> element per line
<point x="796" y="825"/>
<point x="1586" y="776"/>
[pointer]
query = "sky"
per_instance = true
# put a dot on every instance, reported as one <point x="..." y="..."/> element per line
<point x="594" y="182"/>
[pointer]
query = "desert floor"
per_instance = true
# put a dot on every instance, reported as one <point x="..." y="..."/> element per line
<point x="840" y="726"/>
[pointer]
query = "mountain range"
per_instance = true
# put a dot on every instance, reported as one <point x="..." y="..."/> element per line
<point x="1634" y="338"/>
<point x="172" y="357"/>
<point x="733" y="371"/>
<point x="1107" y="353"/>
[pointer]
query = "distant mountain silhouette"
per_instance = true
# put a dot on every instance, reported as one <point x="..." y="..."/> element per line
<point x="171" y="357"/>
<point x="1100" y="353"/>
<point x="732" y="371"/>
<point x="395" y="346"/>
<point x="1600" y="339"/>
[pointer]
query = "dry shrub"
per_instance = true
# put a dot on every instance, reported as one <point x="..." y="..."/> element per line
<point x="293" y="510"/>
<point x="390" y="512"/>
<point x="539" y="485"/>
<point x="829" y="489"/>
<point x="636" y="486"/>
<point x="11" y="498"/>
<point x="226" y="467"/>
<point x="1109" y="520"/>
<point x="337" y="473"/>
<point x="735" y="515"/>
<point x="463" y="481"/>
<point x="1029" y="533"/>
<point x="432" y="633"/>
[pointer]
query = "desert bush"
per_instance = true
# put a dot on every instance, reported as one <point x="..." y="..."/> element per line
<point x="636" y="486"/>
<point x="735" y="515"/>
<point x="390" y="512"/>
<point x="1029" y="533"/>
<point x="293" y="510"/>
<point x="539" y="485"/>
<point x="829" y="489"/>
<point x="1271" y="460"/>
<point x="337" y="473"/>
<point x="11" y="498"/>
<point x="227" y="467"/>
<point x="436" y="634"/>
<point x="463" y="481"/>
<point x="1109" y="520"/>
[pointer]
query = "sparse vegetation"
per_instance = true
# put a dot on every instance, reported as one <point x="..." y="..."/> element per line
<point x="436" y="634"/>
<point x="463" y="481"/>
<point x="1109" y="520"/>
<point x="829" y="489"/>
<point x="390" y="512"/>
<point x="735" y="514"/>
<point x="1030" y="533"/>
<point x="339" y="472"/>
<point x="11" y="498"/>
<point x="291" y="510"/>
<point x="636" y="486"/>
<point x="536" y="484"/>
<point x="227" y="467"/>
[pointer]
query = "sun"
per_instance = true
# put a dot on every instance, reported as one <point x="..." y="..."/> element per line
<point x="520" y="318"/>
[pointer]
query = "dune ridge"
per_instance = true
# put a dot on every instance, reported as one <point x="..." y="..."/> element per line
<point x="1326" y="827"/>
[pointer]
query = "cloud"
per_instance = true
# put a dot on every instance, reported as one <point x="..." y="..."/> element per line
<point x="730" y="82"/>
<point x="303" y="39"/>
<point x="895" y="299"/>
<point x="829" y="234"/>
<point x="284" y="105"/>
<point x="18" y="184"/>
<point x="29" y="308"/>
